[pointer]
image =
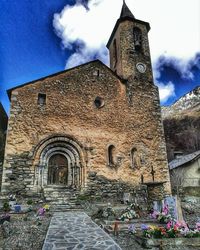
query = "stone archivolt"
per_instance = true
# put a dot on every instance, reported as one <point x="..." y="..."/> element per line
<point x="46" y="170"/>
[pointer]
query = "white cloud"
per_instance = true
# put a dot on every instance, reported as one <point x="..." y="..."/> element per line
<point x="175" y="26"/>
<point x="90" y="27"/>
<point x="85" y="54"/>
<point x="182" y="66"/>
<point x="166" y="91"/>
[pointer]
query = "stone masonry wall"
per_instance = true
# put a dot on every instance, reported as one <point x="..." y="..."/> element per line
<point x="113" y="190"/>
<point x="130" y="118"/>
<point x="127" y="57"/>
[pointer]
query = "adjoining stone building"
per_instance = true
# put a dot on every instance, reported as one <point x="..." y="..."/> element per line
<point x="91" y="128"/>
<point x="185" y="173"/>
<point x="3" y="128"/>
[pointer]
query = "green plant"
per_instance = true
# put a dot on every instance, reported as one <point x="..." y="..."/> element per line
<point x="172" y="233"/>
<point x="83" y="197"/>
<point x="157" y="233"/>
<point x="193" y="234"/>
<point x="98" y="198"/>
<point x="6" y="206"/>
<point x="29" y="202"/>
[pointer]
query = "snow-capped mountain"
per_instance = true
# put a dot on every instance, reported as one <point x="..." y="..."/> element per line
<point x="182" y="124"/>
<point x="187" y="104"/>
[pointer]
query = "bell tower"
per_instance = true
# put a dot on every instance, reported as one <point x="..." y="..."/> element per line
<point x="129" y="47"/>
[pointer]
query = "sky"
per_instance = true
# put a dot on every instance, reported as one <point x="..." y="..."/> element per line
<point x="39" y="38"/>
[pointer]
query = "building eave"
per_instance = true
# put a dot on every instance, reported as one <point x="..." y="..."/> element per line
<point x="9" y="91"/>
<point x="181" y="163"/>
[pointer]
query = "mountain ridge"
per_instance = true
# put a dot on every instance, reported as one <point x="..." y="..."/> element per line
<point x="181" y="123"/>
<point x="188" y="102"/>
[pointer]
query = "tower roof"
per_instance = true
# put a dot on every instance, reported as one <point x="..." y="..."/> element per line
<point x="125" y="12"/>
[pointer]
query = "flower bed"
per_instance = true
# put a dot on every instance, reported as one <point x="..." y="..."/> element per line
<point x="171" y="230"/>
<point x="175" y="235"/>
<point x="162" y="217"/>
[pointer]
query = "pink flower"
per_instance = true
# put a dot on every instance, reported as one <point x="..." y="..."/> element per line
<point x="166" y="209"/>
<point x="41" y="211"/>
<point x="178" y="224"/>
<point x="155" y="214"/>
<point x="169" y="224"/>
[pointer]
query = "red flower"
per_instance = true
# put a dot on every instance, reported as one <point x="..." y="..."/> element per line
<point x="175" y="228"/>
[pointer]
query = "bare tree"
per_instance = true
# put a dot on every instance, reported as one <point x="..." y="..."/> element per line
<point x="177" y="177"/>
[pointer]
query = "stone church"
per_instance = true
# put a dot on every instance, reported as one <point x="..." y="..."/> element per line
<point x="90" y="128"/>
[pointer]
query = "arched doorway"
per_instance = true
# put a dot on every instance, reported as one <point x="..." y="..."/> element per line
<point x="58" y="170"/>
<point x="60" y="162"/>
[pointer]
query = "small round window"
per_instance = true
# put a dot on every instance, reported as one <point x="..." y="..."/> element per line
<point x="98" y="102"/>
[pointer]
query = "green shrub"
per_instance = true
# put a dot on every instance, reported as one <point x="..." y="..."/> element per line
<point x="6" y="206"/>
<point x="83" y="197"/>
<point x="29" y="202"/>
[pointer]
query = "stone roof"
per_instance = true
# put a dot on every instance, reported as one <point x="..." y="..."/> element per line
<point x="182" y="160"/>
<point x="125" y="12"/>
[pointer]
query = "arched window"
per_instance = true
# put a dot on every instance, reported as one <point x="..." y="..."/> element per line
<point x="137" y="38"/>
<point x="111" y="150"/>
<point x="134" y="158"/>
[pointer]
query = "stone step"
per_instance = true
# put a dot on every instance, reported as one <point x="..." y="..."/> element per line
<point x="58" y="191"/>
<point x="61" y="195"/>
<point x="133" y="221"/>
<point x="65" y="199"/>
<point x="60" y="188"/>
<point x="55" y="206"/>
<point x="57" y="195"/>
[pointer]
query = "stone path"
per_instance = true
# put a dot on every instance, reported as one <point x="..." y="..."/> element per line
<point x="75" y="230"/>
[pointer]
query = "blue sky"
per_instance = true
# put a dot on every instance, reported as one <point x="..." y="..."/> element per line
<point x="39" y="38"/>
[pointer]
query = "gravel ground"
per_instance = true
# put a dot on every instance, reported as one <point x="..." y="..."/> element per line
<point x="191" y="211"/>
<point x="24" y="232"/>
<point x="126" y="241"/>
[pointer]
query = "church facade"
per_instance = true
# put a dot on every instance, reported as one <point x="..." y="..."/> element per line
<point x="89" y="123"/>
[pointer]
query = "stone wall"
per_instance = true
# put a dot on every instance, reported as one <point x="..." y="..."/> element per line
<point x="155" y="192"/>
<point x="127" y="57"/>
<point x="113" y="190"/>
<point x="124" y="122"/>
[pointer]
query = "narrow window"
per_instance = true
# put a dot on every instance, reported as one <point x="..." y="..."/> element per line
<point x="137" y="38"/>
<point x="133" y="157"/>
<point x="111" y="149"/>
<point x="115" y="53"/>
<point x="41" y="99"/>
